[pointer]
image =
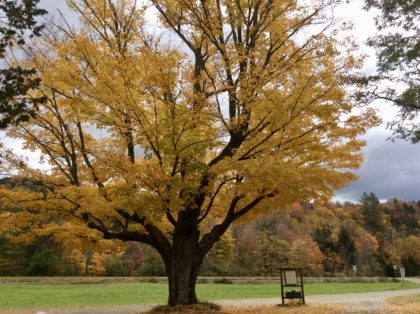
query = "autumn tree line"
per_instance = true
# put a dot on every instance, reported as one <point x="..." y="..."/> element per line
<point x="327" y="239"/>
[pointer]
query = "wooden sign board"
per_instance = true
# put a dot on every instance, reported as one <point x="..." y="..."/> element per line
<point x="291" y="277"/>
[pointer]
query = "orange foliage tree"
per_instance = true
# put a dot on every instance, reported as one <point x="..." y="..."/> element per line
<point x="168" y="137"/>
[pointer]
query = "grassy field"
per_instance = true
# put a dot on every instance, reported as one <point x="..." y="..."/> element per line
<point x="19" y="296"/>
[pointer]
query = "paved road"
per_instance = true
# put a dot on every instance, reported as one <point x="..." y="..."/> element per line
<point x="366" y="299"/>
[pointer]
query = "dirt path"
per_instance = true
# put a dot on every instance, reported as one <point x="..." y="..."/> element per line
<point x="412" y="279"/>
<point x="366" y="299"/>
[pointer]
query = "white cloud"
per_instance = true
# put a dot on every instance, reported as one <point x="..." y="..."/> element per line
<point x="33" y="157"/>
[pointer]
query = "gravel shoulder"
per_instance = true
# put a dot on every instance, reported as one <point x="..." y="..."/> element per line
<point x="365" y="299"/>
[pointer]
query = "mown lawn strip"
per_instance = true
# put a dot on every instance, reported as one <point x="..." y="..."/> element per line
<point x="22" y="296"/>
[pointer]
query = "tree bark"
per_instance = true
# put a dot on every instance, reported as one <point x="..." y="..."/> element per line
<point x="183" y="268"/>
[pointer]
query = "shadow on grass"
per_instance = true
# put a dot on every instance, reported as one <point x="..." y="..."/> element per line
<point x="200" y="308"/>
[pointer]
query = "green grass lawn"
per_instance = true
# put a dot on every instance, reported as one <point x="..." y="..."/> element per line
<point x="20" y="296"/>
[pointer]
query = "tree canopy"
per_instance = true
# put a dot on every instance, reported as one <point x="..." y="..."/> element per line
<point x="168" y="137"/>
<point x="398" y="53"/>
<point x="17" y="18"/>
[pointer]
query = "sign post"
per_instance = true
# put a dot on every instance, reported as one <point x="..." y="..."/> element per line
<point x="395" y="267"/>
<point x="354" y="268"/>
<point x="402" y="272"/>
<point x="291" y="280"/>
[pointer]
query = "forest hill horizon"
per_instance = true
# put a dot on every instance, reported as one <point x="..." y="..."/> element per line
<point x="326" y="238"/>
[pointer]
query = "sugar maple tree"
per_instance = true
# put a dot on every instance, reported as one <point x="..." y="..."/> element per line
<point x="168" y="137"/>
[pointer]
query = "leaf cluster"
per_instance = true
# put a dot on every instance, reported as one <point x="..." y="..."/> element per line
<point x="17" y="17"/>
<point x="398" y="54"/>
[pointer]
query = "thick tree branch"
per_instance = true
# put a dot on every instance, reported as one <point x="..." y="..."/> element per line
<point x="217" y="231"/>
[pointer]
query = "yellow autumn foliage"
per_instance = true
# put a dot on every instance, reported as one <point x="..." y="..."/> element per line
<point x="214" y="111"/>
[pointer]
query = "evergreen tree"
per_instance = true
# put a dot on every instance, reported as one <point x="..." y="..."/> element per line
<point x="372" y="212"/>
<point x="44" y="262"/>
<point x="13" y="258"/>
<point x="323" y="237"/>
<point x="346" y="247"/>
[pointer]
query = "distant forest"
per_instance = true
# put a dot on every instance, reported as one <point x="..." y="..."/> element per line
<point x="325" y="238"/>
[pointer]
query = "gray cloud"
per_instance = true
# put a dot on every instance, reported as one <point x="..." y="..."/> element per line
<point x="391" y="169"/>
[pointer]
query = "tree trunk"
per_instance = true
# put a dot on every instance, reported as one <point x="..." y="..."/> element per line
<point x="183" y="268"/>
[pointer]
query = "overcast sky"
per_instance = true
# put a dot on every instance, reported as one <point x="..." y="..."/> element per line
<point x="391" y="169"/>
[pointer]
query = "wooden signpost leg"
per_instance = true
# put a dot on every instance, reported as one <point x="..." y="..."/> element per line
<point x="282" y="290"/>
<point x="301" y="287"/>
